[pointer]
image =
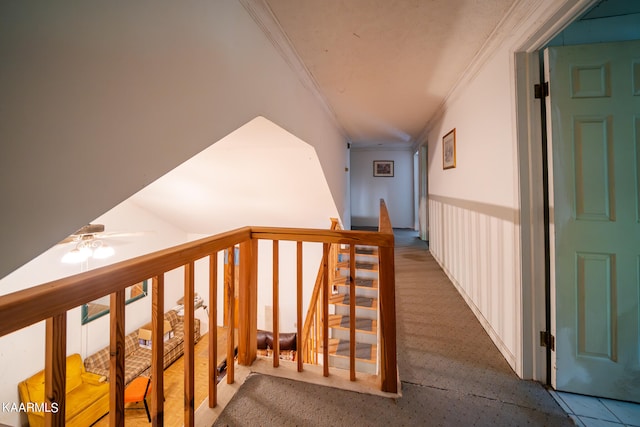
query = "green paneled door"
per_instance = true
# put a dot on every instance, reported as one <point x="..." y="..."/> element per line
<point x="594" y="112"/>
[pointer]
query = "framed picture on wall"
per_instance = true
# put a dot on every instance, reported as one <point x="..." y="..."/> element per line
<point x="383" y="168"/>
<point x="449" y="150"/>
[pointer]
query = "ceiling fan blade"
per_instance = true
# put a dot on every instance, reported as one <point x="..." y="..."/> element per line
<point x="89" y="229"/>
<point x="96" y="231"/>
<point x="69" y="239"/>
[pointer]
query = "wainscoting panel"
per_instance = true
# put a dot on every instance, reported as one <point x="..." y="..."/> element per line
<point x="475" y="245"/>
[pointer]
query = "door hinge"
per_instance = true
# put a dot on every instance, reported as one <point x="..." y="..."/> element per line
<point x="547" y="340"/>
<point x="541" y="90"/>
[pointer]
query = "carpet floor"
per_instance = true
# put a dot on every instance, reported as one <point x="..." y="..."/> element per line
<point x="451" y="372"/>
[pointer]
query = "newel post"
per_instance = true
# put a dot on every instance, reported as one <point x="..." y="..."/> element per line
<point x="248" y="303"/>
<point x="387" y="301"/>
<point x="388" y="371"/>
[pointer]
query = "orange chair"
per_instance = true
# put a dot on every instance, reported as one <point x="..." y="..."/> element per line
<point x="137" y="391"/>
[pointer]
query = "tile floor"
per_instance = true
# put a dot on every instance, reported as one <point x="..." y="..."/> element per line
<point x="589" y="411"/>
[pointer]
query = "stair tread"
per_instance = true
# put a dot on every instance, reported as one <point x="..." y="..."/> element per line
<point x="344" y="257"/>
<point x="333" y="345"/>
<point x="360" y="250"/>
<point x="360" y="282"/>
<point x="343" y="346"/>
<point x="367" y="326"/>
<point x="360" y="265"/>
<point x="361" y="302"/>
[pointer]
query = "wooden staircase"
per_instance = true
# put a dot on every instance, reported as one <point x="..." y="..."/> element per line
<point x="366" y="321"/>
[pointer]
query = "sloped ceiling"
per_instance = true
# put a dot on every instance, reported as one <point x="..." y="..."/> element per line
<point x="385" y="66"/>
<point x="244" y="179"/>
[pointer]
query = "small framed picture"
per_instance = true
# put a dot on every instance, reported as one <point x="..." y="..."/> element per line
<point x="383" y="168"/>
<point x="449" y="150"/>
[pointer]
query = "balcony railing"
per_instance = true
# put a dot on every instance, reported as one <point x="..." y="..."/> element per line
<point x="51" y="301"/>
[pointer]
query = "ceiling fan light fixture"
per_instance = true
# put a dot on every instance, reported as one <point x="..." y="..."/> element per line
<point x="88" y="248"/>
<point x="103" y="251"/>
<point x="86" y="251"/>
<point x="74" y="256"/>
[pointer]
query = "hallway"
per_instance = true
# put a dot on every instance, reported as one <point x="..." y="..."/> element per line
<point x="451" y="372"/>
<point x="442" y="347"/>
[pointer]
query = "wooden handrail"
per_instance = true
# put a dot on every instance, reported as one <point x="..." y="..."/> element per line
<point x="315" y="294"/>
<point x="313" y="235"/>
<point x="64" y="294"/>
<point x="51" y="302"/>
<point x="32" y="305"/>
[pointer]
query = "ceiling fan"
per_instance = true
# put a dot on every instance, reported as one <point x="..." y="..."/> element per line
<point x="90" y="243"/>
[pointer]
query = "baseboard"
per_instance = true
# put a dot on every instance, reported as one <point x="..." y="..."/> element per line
<point x="495" y="337"/>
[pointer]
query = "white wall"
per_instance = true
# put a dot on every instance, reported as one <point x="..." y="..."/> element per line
<point x="101" y="99"/>
<point x="367" y="190"/>
<point x="473" y="208"/>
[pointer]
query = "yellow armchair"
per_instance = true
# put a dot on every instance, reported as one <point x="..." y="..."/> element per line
<point x="87" y="395"/>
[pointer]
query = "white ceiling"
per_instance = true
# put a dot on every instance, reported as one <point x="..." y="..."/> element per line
<point x="385" y="66"/>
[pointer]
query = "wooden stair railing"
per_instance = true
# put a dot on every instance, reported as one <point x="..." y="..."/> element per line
<point x="315" y="332"/>
<point x="52" y="300"/>
<point x="312" y="331"/>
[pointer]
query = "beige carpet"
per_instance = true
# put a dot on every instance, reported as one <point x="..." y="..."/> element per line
<point x="451" y="372"/>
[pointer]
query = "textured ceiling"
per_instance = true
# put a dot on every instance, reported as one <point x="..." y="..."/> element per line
<point x="384" y="66"/>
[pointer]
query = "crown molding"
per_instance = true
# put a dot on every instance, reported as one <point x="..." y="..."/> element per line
<point x="263" y="16"/>
<point x="526" y="27"/>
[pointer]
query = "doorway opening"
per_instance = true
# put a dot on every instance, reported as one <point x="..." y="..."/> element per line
<point x="604" y="22"/>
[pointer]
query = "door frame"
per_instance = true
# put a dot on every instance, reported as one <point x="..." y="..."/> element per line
<point x="536" y="266"/>
<point x="422" y="191"/>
